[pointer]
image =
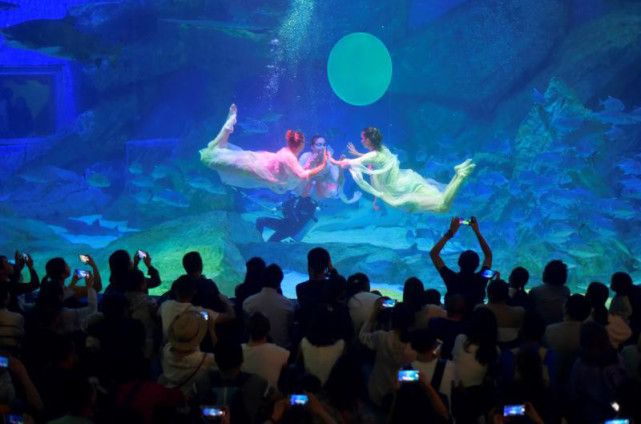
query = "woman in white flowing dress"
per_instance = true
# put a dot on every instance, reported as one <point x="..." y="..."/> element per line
<point x="278" y="171"/>
<point x="397" y="187"/>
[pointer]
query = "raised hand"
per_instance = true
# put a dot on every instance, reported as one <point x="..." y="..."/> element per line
<point x="474" y="224"/>
<point x="455" y="223"/>
<point x="352" y="149"/>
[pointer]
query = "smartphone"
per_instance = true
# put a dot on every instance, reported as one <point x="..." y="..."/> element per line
<point x="81" y="273"/>
<point x="15" y="419"/>
<point x="615" y="406"/>
<point x="513" y="410"/>
<point x="4" y="361"/>
<point x="298" y="399"/>
<point x="437" y="349"/>
<point x="83" y="258"/>
<point x="488" y="273"/>
<point x="211" y="411"/>
<point x="618" y="421"/>
<point x="25" y="257"/>
<point x="205" y="315"/>
<point x="389" y="303"/>
<point x="141" y="254"/>
<point x="405" y="376"/>
<point x="464" y="221"/>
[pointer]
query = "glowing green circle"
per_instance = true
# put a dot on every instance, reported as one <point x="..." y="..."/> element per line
<point x="359" y="68"/>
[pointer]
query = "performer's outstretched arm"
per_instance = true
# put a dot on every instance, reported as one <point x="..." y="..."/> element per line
<point x="487" y="252"/>
<point x="435" y="253"/>
<point x="304" y="174"/>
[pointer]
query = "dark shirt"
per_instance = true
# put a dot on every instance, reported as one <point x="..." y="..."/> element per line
<point x="328" y="290"/>
<point x="152" y="282"/>
<point x="16" y="288"/>
<point x="446" y="330"/>
<point x="299" y="209"/>
<point x="471" y="286"/>
<point x="245" y="394"/>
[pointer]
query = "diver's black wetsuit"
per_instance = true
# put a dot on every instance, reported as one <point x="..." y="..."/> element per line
<point x="297" y="212"/>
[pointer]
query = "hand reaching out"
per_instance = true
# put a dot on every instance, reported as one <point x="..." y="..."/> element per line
<point x="352" y="149"/>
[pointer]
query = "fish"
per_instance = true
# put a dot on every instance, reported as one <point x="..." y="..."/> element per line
<point x="49" y="174"/>
<point x="234" y="29"/>
<point x="271" y="117"/>
<point x="161" y="171"/>
<point x="97" y="179"/>
<point x="253" y="126"/>
<point x="135" y="168"/>
<point x="612" y="104"/>
<point x="615" y="133"/>
<point x="567" y="122"/>
<point x="583" y="254"/>
<point x="143" y="181"/>
<point x="171" y="198"/>
<point x="142" y="197"/>
<point x="60" y="38"/>
<point x="630" y="166"/>
<point x="5" y="5"/>
<point x="537" y="97"/>
<point x="205" y="184"/>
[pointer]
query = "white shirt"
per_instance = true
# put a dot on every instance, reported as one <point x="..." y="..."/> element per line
<point x="170" y="309"/>
<point x="74" y="319"/>
<point x="265" y="360"/>
<point x="449" y="375"/>
<point x="277" y="308"/>
<point x="319" y="360"/>
<point x="176" y="369"/>
<point x="11" y="328"/>
<point x="360" y="308"/>
<point x="469" y="371"/>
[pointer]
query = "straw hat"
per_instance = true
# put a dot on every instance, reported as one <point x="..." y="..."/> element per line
<point x="187" y="330"/>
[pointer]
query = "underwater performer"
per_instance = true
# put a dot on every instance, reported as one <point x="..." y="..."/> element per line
<point x="278" y="171"/>
<point x="297" y="213"/>
<point x="328" y="184"/>
<point x="401" y="188"/>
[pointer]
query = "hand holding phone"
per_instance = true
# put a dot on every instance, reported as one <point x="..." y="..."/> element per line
<point x="84" y="259"/>
<point x="388" y="303"/>
<point x="141" y="254"/>
<point x="81" y="273"/>
<point x="464" y="221"/>
<point x="514" y="410"/>
<point x="205" y="315"/>
<point x="488" y="273"/>
<point x="298" y="399"/>
<point x="212" y="413"/>
<point x="407" y="376"/>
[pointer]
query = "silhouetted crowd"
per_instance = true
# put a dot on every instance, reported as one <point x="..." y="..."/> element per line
<point x="493" y="352"/>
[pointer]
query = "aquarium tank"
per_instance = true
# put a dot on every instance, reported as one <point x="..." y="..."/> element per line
<point x="105" y="105"/>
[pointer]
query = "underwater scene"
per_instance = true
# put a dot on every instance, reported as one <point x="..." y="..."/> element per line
<point x="110" y="113"/>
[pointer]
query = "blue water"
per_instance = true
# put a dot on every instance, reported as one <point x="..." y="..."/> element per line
<point x="105" y="105"/>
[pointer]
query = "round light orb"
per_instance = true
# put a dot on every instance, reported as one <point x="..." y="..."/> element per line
<point x="359" y="69"/>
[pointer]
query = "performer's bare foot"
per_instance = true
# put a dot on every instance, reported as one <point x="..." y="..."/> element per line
<point x="231" y="118"/>
<point x="465" y="169"/>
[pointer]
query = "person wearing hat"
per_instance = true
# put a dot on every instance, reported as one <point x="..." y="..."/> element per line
<point x="182" y="360"/>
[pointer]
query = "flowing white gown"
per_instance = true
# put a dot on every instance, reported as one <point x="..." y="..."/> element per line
<point x="404" y="188"/>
